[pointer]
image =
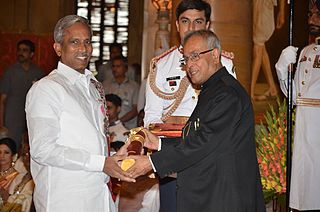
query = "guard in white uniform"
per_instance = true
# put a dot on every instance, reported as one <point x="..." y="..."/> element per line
<point x="305" y="175"/>
<point x="169" y="91"/>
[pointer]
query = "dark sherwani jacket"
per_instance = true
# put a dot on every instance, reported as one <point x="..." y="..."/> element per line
<point x="216" y="158"/>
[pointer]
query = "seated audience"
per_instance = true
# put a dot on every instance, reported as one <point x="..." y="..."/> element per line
<point x="126" y="89"/>
<point x="104" y="70"/>
<point x="16" y="187"/>
<point x="118" y="133"/>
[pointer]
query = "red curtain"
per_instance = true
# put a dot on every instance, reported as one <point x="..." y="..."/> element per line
<point x="44" y="57"/>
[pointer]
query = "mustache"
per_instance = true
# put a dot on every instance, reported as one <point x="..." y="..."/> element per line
<point x="83" y="54"/>
<point x="314" y="29"/>
<point x="191" y="69"/>
<point x="313" y="25"/>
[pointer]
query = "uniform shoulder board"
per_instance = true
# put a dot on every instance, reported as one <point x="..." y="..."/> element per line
<point x="228" y="55"/>
<point x="157" y="58"/>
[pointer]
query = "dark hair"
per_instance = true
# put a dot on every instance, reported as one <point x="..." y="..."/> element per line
<point x="115" y="99"/>
<point x="122" y="58"/>
<point x="28" y="43"/>
<point x="116" y="45"/>
<point x="194" y="5"/>
<point x="10" y="144"/>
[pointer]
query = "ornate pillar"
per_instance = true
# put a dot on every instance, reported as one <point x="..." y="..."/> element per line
<point x="162" y="38"/>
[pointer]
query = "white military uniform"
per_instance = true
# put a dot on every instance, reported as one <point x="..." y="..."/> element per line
<point x="305" y="185"/>
<point x="168" y="78"/>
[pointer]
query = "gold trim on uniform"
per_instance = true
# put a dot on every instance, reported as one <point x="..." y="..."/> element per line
<point x="177" y="96"/>
<point x="308" y="102"/>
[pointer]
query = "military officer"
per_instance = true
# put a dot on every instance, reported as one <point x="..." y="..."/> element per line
<point x="305" y="185"/>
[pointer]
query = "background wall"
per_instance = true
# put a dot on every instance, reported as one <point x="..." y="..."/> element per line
<point x="34" y="20"/>
<point x="38" y="17"/>
<point x="33" y="16"/>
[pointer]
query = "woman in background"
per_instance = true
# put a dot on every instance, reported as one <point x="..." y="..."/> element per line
<point x="16" y="187"/>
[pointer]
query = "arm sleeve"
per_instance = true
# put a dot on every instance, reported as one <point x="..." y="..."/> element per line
<point x="43" y="108"/>
<point x="142" y="96"/>
<point x="212" y="137"/>
<point x="5" y="84"/>
<point x="283" y="81"/>
<point x="153" y="108"/>
<point x="167" y="142"/>
<point x="135" y="94"/>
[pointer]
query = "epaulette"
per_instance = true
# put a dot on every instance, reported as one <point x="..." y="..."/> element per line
<point x="162" y="55"/>
<point x="228" y="55"/>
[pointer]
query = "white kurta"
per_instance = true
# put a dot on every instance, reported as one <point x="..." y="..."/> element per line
<point x="67" y="143"/>
<point x="168" y="78"/>
<point x="305" y="184"/>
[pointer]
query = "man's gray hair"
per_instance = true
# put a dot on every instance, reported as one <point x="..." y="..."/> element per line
<point x="207" y="35"/>
<point x="66" y="22"/>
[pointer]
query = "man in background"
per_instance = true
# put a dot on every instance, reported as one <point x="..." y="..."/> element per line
<point x="126" y="89"/>
<point x="16" y="82"/>
<point x="118" y="133"/>
<point x="105" y="70"/>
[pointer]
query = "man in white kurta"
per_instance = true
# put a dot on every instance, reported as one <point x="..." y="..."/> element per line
<point x="305" y="175"/>
<point x="66" y="119"/>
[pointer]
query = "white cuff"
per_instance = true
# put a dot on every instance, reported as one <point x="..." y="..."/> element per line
<point x="282" y="74"/>
<point x="154" y="168"/>
<point x="159" y="144"/>
<point x="96" y="163"/>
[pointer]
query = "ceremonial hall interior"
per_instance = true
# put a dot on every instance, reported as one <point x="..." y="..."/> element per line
<point x="147" y="28"/>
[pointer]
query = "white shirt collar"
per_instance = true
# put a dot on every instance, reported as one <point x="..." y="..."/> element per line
<point x="73" y="75"/>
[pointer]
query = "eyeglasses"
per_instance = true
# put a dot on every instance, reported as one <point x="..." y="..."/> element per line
<point x="193" y="57"/>
<point x="310" y="14"/>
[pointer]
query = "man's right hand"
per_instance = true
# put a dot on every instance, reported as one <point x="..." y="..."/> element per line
<point x="112" y="168"/>
<point x="288" y="56"/>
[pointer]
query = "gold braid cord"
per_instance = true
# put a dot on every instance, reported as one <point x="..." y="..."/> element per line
<point x="176" y="96"/>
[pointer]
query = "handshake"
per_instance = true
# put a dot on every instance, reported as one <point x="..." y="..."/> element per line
<point x="130" y="162"/>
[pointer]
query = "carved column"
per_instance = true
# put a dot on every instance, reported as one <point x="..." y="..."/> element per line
<point x="162" y="38"/>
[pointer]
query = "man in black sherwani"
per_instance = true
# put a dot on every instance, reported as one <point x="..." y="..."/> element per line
<point x="216" y="157"/>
